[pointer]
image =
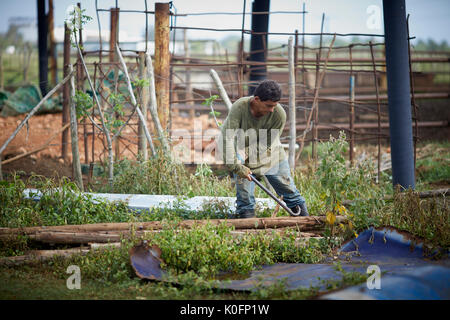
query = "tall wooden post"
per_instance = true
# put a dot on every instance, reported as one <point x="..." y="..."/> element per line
<point x="113" y="39"/>
<point x="162" y="61"/>
<point x="66" y="94"/>
<point x="144" y="99"/>
<point x="76" y="165"/>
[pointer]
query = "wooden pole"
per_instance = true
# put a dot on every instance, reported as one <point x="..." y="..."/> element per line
<point x="162" y="61"/>
<point x="80" y="86"/>
<point x="76" y="165"/>
<point x="223" y="94"/>
<point x="292" y="115"/>
<point x="153" y="106"/>
<point x="113" y="39"/>
<point x="304" y="223"/>
<point x="66" y="94"/>
<point x="142" y="143"/>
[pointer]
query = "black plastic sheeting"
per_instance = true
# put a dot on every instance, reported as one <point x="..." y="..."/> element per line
<point x="407" y="269"/>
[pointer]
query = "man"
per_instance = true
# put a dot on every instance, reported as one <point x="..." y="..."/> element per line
<point x="250" y="138"/>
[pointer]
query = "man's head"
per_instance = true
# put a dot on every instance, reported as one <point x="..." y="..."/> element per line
<point x="266" y="97"/>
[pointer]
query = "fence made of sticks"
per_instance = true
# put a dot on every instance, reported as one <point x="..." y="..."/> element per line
<point x="351" y="76"/>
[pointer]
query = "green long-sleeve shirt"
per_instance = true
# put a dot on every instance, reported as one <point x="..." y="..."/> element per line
<point x="262" y="149"/>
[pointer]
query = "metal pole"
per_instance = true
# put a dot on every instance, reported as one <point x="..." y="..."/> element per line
<point x="42" y="44"/>
<point x="399" y="94"/>
<point x="53" y="55"/>
<point x="352" y="106"/>
<point x="260" y="23"/>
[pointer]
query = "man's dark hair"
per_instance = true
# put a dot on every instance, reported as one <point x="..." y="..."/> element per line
<point x="268" y="90"/>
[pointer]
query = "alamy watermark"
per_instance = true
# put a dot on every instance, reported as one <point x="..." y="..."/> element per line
<point x="74" y="281"/>
<point x="373" y="22"/>
<point x="374" y="280"/>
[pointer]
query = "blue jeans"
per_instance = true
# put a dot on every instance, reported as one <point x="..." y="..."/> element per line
<point x="281" y="180"/>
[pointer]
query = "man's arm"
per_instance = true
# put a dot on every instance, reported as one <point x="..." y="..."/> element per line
<point x="228" y="134"/>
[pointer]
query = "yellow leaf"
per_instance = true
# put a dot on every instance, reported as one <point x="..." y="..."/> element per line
<point x="350" y="225"/>
<point x="331" y="218"/>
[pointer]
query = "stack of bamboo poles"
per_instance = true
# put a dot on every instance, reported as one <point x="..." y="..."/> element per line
<point x="104" y="235"/>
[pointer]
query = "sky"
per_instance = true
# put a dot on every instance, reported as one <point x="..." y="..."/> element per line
<point x="428" y="19"/>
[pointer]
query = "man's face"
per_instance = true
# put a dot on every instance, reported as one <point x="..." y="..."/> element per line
<point x="261" y="108"/>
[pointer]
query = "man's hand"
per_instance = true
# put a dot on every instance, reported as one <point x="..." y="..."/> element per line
<point x="244" y="172"/>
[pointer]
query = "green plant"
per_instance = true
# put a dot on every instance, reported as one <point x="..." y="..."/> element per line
<point x="340" y="182"/>
<point x="83" y="104"/>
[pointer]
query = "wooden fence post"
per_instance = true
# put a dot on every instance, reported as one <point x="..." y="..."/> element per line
<point x="76" y="165"/>
<point x="292" y="115"/>
<point x="66" y="94"/>
<point x="162" y="61"/>
<point x="113" y="39"/>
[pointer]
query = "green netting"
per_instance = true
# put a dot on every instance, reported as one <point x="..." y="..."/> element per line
<point x="24" y="99"/>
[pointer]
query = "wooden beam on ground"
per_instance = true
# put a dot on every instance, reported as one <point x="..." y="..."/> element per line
<point x="303" y="223"/>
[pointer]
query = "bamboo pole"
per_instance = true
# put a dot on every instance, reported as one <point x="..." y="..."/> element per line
<point x="144" y="100"/>
<point x="292" y="113"/>
<point x="153" y="106"/>
<point x="113" y="39"/>
<point x="76" y="165"/>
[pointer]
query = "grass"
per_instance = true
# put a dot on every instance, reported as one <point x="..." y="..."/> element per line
<point x="433" y="163"/>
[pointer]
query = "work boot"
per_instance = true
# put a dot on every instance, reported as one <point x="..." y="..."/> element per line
<point x="247" y="214"/>
<point x="300" y="210"/>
